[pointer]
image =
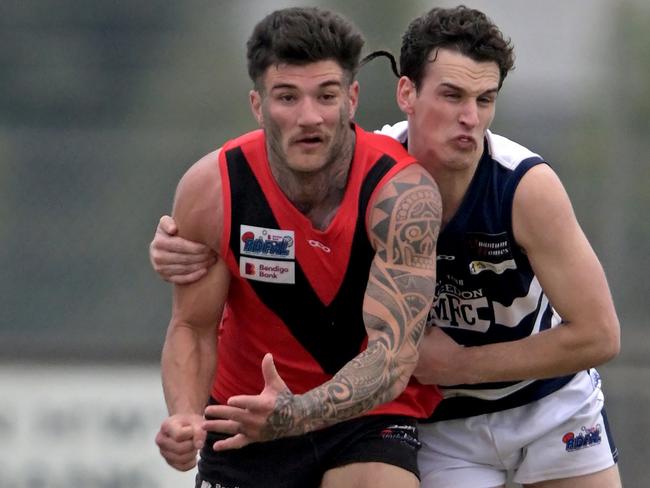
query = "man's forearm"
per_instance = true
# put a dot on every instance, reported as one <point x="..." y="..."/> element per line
<point x="555" y="352"/>
<point x="375" y="376"/>
<point x="365" y="382"/>
<point x="188" y="365"/>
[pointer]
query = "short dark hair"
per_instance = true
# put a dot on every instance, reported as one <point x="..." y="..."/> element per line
<point x="462" y="29"/>
<point x="302" y="36"/>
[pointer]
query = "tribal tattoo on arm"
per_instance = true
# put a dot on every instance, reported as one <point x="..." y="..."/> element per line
<point x="403" y="227"/>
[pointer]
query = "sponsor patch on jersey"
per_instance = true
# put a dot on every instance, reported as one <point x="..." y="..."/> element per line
<point x="489" y="252"/>
<point x="263" y="242"/>
<point x="488" y="247"/>
<point x="476" y="267"/>
<point x="267" y="270"/>
<point x="207" y="484"/>
<point x="587" y="437"/>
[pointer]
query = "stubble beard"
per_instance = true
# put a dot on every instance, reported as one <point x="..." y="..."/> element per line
<point x="299" y="185"/>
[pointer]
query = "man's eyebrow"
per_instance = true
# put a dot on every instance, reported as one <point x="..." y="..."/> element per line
<point x="327" y="83"/>
<point x="291" y="86"/>
<point x="447" y="84"/>
<point x="281" y="86"/>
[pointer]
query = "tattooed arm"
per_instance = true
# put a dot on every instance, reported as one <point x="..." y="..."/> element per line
<point x="403" y="224"/>
<point x="403" y="228"/>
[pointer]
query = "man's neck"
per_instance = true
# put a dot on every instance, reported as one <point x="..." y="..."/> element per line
<point x="318" y="195"/>
<point x="453" y="185"/>
<point x="453" y="188"/>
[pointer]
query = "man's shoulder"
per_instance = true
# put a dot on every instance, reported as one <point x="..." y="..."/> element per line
<point x="204" y="169"/>
<point x="197" y="204"/>
<point x="509" y="153"/>
<point x="384" y="144"/>
<point x="415" y="175"/>
<point x="252" y="137"/>
<point x="201" y="182"/>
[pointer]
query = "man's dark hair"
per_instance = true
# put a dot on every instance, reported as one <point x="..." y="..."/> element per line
<point x="468" y="31"/>
<point x="301" y="36"/>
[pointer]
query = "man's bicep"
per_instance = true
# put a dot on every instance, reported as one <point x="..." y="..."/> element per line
<point x="560" y="254"/>
<point x="200" y="304"/>
<point x="198" y="205"/>
<point x="403" y="227"/>
<point x="198" y="213"/>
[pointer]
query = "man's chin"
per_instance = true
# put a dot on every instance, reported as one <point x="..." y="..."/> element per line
<point x="306" y="164"/>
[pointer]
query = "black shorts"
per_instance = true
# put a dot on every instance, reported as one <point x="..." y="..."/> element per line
<point x="301" y="461"/>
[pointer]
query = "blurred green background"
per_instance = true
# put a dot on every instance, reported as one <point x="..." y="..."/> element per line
<point x="104" y="105"/>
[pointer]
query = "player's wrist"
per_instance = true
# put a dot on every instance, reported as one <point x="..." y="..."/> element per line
<point x="470" y="366"/>
<point x="286" y="418"/>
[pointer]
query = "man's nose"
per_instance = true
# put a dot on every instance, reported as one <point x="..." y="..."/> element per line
<point x="310" y="113"/>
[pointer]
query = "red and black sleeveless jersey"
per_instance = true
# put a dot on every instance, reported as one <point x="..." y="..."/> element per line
<point x="297" y="291"/>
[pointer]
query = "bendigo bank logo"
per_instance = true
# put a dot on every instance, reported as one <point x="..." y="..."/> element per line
<point x="268" y="270"/>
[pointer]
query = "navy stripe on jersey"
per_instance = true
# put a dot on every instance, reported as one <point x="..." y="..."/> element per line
<point x="610" y="438"/>
<point x="467" y="406"/>
<point x="319" y="328"/>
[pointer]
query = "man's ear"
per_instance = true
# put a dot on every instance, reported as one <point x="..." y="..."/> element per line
<point x="406" y="95"/>
<point x="353" y="95"/>
<point x="256" y="106"/>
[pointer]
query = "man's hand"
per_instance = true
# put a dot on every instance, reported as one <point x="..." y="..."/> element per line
<point x="175" y="259"/>
<point x="439" y="362"/>
<point x="252" y="418"/>
<point x="179" y="439"/>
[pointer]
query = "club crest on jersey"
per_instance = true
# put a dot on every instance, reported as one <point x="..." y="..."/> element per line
<point x="589" y="436"/>
<point x="455" y="306"/>
<point x="263" y="242"/>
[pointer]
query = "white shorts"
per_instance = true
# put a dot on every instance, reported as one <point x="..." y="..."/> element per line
<point x="562" y="435"/>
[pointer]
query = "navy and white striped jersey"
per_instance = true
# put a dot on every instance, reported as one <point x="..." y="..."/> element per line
<point x="486" y="289"/>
